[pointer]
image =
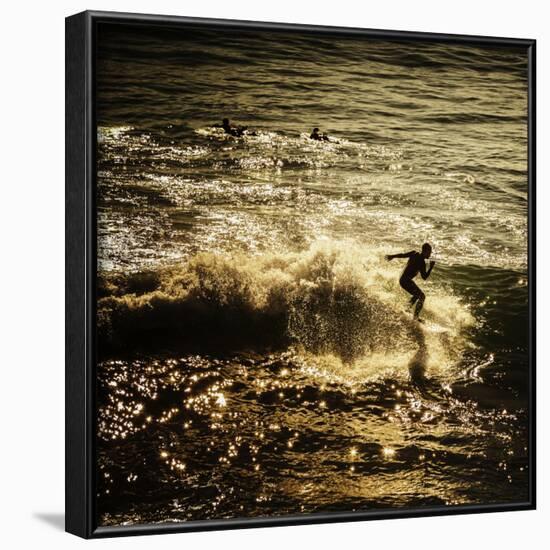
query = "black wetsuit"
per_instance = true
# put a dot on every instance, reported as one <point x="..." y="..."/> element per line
<point x="415" y="265"/>
<point x="234" y="131"/>
<point x="318" y="137"/>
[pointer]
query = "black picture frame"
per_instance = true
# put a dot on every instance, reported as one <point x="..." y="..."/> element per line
<point x="81" y="263"/>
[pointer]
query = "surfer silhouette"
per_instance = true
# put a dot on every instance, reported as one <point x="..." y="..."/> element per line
<point x="317" y="136"/>
<point x="415" y="265"/>
<point x="235" y="131"/>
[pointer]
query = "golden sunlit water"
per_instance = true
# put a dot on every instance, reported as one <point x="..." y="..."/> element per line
<point x="257" y="356"/>
<point x="251" y="435"/>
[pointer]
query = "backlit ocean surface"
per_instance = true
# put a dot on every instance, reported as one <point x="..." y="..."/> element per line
<point x="257" y="357"/>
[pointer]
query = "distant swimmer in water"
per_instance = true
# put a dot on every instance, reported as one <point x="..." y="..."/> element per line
<point x="317" y="136"/>
<point x="415" y="265"/>
<point x="235" y="131"/>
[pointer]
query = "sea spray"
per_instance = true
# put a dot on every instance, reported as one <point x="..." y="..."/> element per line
<point x="336" y="299"/>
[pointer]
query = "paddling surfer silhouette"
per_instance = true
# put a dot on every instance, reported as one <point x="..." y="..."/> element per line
<point x="235" y="131"/>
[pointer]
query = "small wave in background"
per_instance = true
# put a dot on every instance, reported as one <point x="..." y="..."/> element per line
<point x="257" y="355"/>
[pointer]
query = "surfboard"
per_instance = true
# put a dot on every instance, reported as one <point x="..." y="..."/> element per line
<point x="434" y="327"/>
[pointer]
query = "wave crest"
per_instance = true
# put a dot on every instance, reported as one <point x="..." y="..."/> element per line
<point x="336" y="298"/>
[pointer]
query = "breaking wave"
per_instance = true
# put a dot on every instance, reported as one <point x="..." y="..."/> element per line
<point x="335" y="301"/>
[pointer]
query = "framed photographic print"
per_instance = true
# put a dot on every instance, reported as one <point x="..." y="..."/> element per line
<point x="300" y="274"/>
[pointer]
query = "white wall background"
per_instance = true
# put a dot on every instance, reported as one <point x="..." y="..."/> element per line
<point x="32" y="271"/>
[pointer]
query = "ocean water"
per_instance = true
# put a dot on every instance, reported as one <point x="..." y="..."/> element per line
<point x="257" y="356"/>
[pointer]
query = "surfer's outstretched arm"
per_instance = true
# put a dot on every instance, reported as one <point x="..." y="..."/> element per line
<point x="390" y="257"/>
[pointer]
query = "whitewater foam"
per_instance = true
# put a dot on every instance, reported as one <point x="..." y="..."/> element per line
<point x="337" y="303"/>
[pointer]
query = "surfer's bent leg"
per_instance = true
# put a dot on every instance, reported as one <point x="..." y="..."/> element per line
<point x="419" y="304"/>
<point x="418" y="296"/>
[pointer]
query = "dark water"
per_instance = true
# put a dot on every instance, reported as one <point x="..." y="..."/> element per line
<point x="257" y="354"/>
